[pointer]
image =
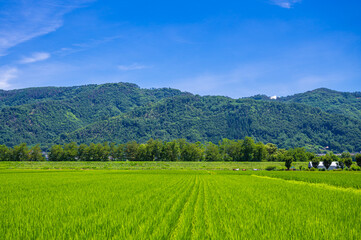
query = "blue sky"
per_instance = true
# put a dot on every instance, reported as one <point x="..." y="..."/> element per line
<point x="231" y="48"/>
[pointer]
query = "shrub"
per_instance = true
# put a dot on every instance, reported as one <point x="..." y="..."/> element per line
<point x="355" y="168"/>
<point x="271" y="168"/>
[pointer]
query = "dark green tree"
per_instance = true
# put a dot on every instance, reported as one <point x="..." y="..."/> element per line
<point x="315" y="162"/>
<point x="247" y="149"/>
<point x="36" y="154"/>
<point x="131" y="150"/>
<point x="83" y="151"/>
<point x="327" y="160"/>
<point x="70" y="152"/>
<point x="358" y="159"/>
<point x="170" y="151"/>
<point x="20" y="153"/>
<point x="260" y="152"/>
<point x="192" y="152"/>
<point x="347" y="159"/>
<point x="117" y="152"/>
<point x="56" y="153"/>
<point x="288" y="162"/>
<point x="4" y="153"/>
<point x="212" y="153"/>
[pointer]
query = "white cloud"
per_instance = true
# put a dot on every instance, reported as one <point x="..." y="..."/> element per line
<point x="6" y="74"/>
<point x="35" y="57"/>
<point x="134" y="66"/>
<point x="78" y="47"/>
<point x="285" y="3"/>
<point x="21" y="20"/>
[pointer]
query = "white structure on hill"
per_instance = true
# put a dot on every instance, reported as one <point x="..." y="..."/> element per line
<point x="334" y="165"/>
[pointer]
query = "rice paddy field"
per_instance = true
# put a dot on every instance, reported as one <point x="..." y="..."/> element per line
<point x="178" y="204"/>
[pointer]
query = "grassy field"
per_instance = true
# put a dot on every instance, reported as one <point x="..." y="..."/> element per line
<point x="126" y="165"/>
<point x="341" y="179"/>
<point x="174" y="204"/>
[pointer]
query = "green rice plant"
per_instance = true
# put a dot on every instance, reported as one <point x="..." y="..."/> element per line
<point x="336" y="178"/>
<point x="176" y="204"/>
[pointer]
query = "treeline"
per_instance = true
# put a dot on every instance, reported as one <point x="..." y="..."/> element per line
<point x="245" y="150"/>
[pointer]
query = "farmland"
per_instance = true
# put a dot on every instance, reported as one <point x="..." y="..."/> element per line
<point x="147" y="165"/>
<point x="175" y="204"/>
<point x="339" y="178"/>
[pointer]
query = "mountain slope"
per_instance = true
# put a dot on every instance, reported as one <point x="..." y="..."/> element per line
<point x="343" y="103"/>
<point x="39" y="115"/>
<point x="213" y="118"/>
<point x="123" y="112"/>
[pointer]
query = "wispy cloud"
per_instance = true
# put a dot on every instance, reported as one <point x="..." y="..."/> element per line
<point x="6" y="74"/>
<point x="35" y="57"/>
<point x="21" y="20"/>
<point x="285" y="3"/>
<point x="134" y="66"/>
<point x="78" y="47"/>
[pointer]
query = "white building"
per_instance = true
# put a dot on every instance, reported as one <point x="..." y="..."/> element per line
<point x="334" y="165"/>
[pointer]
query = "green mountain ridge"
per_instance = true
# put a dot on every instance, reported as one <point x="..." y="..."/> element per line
<point x="124" y="112"/>
<point x="343" y="103"/>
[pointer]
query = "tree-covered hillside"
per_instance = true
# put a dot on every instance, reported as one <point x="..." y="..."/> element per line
<point x="198" y="118"/>
<point x="124" y="112"/>
<point x="343" y="103"/>
<point x="39" y="115"/>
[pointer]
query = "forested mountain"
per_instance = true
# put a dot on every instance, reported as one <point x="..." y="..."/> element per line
<point x="344" y="103"/>
<point x="124" y="112"/>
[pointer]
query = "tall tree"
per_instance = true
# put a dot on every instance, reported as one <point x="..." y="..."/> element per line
<point x="70" y="152"/>
<point x="358" y="159"/>
<point x="327" y="160"/>
<point x="347" y="159"/>
<point x="170" y="151"/>
<point x="36" y="154"/>
<point x="56" y="153"/>
<point x="248" y="148"/>
<point x="288" y="162"/>
<point x="4" y="153"/>
<point x="83" y="152"/>
<point x="260" y="152"/>
<point x="315" y="162"/>
<point x="212" y="153"/>
<point x="20" y="152"/>
<point x="131" y="150"/>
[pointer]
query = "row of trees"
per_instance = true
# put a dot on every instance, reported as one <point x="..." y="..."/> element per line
<point x="344" y="160"/>
<point x="245" y="150"/>
<point x="21" y="153"/>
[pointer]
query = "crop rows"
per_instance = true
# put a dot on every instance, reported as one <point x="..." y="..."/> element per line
<point x="170" y="205"/>
<point x="340" y="179"/>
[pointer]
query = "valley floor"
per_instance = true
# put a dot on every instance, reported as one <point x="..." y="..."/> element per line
<point x="178" y="204"/>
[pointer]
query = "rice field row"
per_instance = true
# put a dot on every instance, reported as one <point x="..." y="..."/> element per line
<point x="336" y="178"/>
<point x="170" y="205"/>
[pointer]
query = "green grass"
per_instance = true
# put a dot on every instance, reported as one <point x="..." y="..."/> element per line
<point x="126" y="165"/>
<point x="176" y="204"/>
<point x="336" y="178"/>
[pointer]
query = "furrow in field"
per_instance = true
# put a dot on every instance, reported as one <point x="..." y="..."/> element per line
<point x="208" y="217"/>
<point x="318" y="185"/>
<point x="139" y="213"/>
<point x="182" y="224"/>
<point x="158" y="226"/>
<point x="215" y="209"/>
<point x="198" y="221"/>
